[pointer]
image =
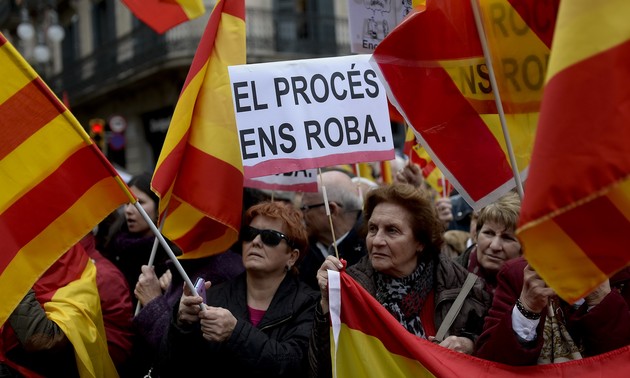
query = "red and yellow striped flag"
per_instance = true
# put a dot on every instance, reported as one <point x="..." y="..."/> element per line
<point x="431" y="173"/>
<point x="576" y="210"/>
<point x="371" y="343"/>
<point x="68" y="293"/>
<point x="56" y="184"/>
<point x="436" y="76"/>
<point x="162" y="15"/>
<point x="199" y="174"/>
<point x="410" y="141"/>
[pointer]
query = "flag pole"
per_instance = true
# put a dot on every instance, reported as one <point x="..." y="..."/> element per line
<point x="332" y="229"/>
<point x="168" y="249"/>
<point x="356" y="167"/>
<point x="497" y="97"/>
<point x="415" y="140"/>
<point x="152" y="258"/>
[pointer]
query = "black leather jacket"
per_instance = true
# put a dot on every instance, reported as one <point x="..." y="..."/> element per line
<point x="277" y="347"/>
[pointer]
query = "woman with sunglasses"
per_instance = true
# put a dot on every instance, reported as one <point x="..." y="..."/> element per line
<point x="257" y="324"/>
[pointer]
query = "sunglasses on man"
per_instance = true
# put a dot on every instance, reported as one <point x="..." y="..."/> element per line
<point x="270" y="238"/>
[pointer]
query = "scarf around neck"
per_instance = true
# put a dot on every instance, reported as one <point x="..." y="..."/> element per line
<point x="404" y="297"/>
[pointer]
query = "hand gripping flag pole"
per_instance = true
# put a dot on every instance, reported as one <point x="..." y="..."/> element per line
<point x="168" y="249"/>
<point x="151" y="260"/>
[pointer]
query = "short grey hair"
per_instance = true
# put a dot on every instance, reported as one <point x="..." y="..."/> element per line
<point x="349" y="200"/>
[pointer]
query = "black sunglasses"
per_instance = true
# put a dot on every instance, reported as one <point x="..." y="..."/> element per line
<point x="270" y="237"/>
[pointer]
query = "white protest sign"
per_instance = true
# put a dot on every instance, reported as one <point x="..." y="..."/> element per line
<point x="299" y="181"/>
<point x="311" y="113"/>
<point x="370" y="21"/>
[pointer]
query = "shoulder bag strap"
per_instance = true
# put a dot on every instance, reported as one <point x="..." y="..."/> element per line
<point x="457" y="305"/>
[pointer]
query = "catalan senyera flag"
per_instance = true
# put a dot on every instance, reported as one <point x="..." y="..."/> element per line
<point x="56" y="184"/>
<point x="576" y="209"/>
<point x="68" y="293"/>
<point x="367" y="341"/>
<point x="199" y="174"/>
<point x="433" y="67"/>
<point x="162" y="15"/>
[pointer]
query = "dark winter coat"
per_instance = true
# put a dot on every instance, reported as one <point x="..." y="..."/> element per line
<point x="276" y="347"/>
<point x="604" y="328"/>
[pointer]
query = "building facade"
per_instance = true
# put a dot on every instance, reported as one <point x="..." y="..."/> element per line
<point x="109" y="66"/>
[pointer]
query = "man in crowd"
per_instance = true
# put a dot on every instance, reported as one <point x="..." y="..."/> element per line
<point x="345" y="216"/>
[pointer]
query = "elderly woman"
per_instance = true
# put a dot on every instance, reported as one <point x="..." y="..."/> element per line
<point x="257" y="324"/>
<point x="406" y="273"/>
<point x="496" y="239"/>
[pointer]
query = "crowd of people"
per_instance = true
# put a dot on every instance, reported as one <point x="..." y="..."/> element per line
<point x="265" y="308"/>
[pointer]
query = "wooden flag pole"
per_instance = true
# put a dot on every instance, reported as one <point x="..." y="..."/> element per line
<point x="332" y="229"/>
<point x="497" y="97"/>
<point x="168" y="249"/>
<point x="356" y="167"/>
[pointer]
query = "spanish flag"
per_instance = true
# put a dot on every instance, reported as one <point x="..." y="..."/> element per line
<point x="69" y="296"/>
<point x="410" y="141"/>
<point x="575" y="215"/>
<point x="435" y="73"/>
<point x="56" y="184"/>
<point x="162" y="15"/>
<point x="199" y="174"/>
<point x="431" y="173"/>
<point x="367" y="341"/>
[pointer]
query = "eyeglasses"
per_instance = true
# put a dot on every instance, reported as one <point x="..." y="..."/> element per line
<point x="306" y="208"/>
<point x="270" y="238"/>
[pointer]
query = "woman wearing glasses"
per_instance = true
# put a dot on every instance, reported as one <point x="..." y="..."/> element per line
<point x="257" y="324"/>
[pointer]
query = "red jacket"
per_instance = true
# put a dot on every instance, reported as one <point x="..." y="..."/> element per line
<point x="606" y="327"/>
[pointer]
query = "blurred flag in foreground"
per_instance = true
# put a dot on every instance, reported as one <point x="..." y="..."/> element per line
<point x="369" y="342"/>
<point x="435" y="72"/>
<point x="199" y="174"/>
<point x="56" y="184"/>
<point x="576" y="211"/>
<point x="162" y="15"/>
<point x="68" y="293"/>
